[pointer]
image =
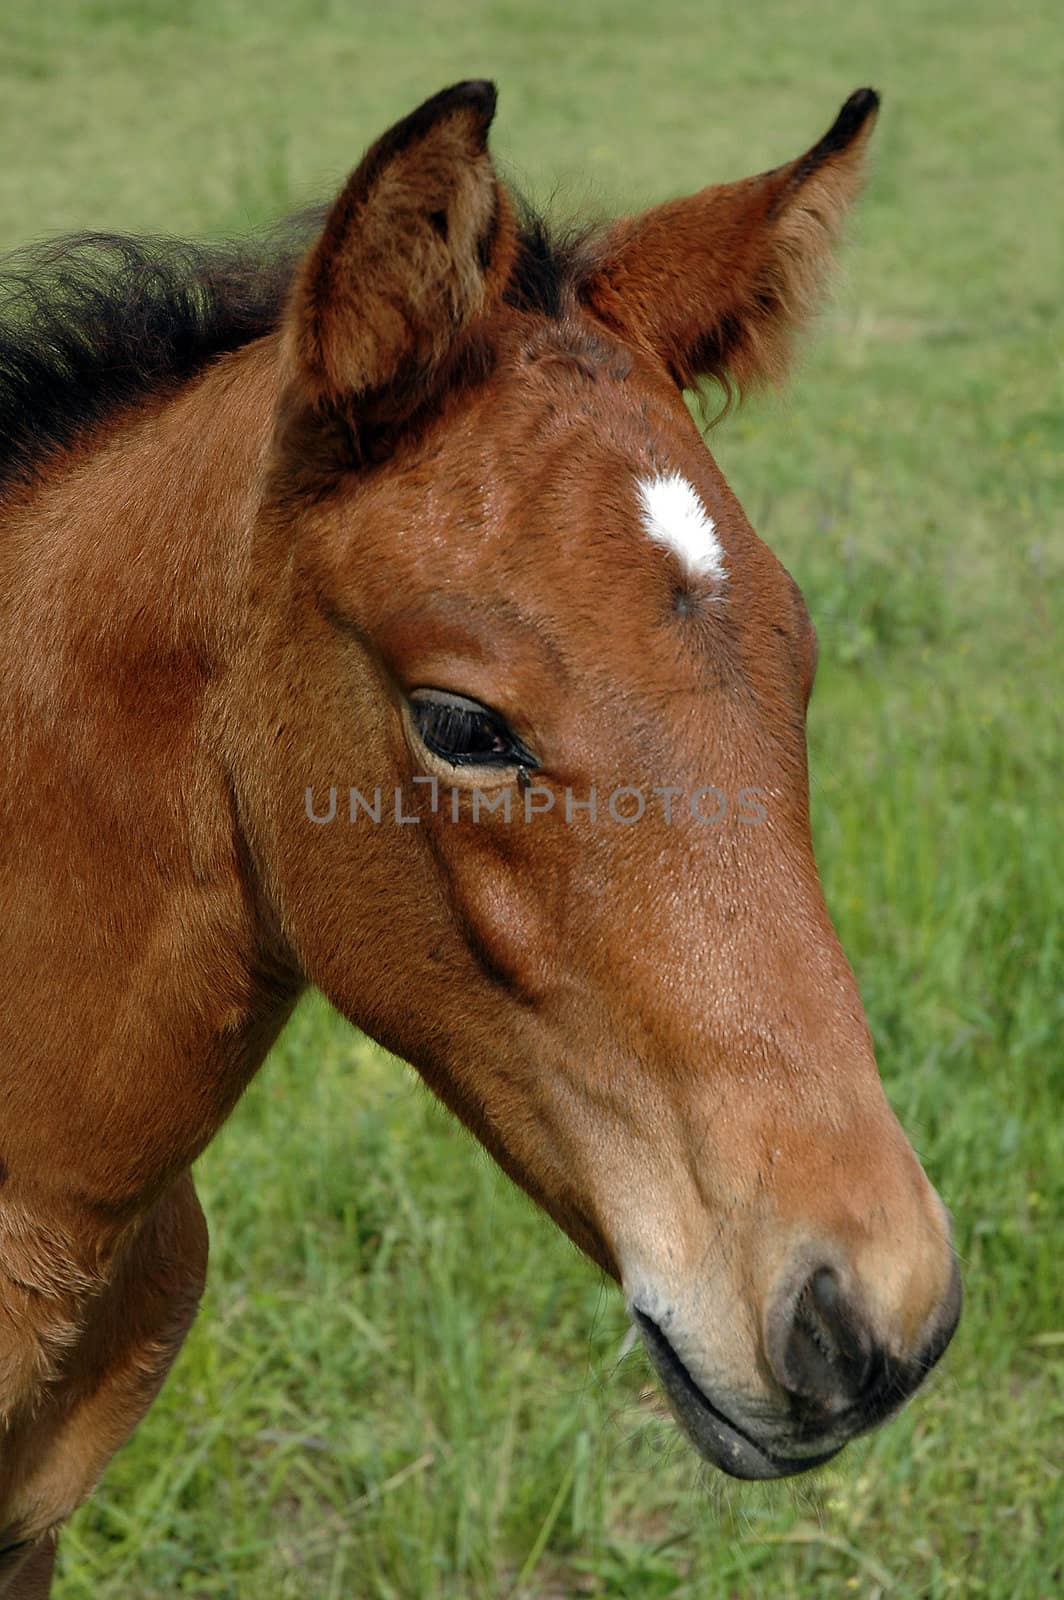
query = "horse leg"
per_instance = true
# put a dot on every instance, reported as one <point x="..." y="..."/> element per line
<point x="131" y="1334"/>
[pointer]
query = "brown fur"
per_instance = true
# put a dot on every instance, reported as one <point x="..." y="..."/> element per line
<point x="226" y="594"/>
<point x="718" y="285"/>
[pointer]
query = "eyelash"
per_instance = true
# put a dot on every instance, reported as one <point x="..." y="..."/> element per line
<point x="464" y="733"/>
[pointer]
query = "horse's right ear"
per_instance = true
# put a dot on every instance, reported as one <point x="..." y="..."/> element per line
<point x="416" y="246"/>
<point x="718" y="283"/>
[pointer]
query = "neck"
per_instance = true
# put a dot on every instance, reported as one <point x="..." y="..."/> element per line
<point x="123" y="592"/>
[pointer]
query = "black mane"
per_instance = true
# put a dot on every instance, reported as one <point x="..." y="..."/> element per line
<point x="90" y="323"/>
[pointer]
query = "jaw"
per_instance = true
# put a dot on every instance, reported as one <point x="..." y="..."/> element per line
<point x="714" y="1435"/>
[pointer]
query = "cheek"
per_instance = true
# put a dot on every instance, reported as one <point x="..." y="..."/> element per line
<point x="509" y="902"/>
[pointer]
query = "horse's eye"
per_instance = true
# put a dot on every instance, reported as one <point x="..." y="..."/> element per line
<point x="464" y="732"/>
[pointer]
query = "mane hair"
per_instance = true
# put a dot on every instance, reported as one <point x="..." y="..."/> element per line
<point x="92" y="323"/>
<point x="550" y="263"/>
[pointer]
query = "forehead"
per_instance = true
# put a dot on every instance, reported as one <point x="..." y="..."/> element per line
<point x="597" y="465"/>
<point x="572" y="417"/>
<point x="572" y="489"/>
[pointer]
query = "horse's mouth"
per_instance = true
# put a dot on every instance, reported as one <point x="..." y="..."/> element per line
<point x="714" y="1434"/>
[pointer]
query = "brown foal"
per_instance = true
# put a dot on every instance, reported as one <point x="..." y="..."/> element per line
<point x="375" y="618"/>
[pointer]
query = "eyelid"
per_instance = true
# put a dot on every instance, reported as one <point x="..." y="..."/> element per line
<point x="519" y="755"/>
<point x="463" y="702"/>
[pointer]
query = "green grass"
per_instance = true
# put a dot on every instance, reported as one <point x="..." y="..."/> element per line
<point x="405" y="1385"/>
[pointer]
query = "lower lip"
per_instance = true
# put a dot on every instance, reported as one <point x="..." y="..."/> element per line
<point x="709" y="1430"/>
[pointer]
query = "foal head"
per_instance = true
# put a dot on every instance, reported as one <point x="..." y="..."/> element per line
<point x="497" y="571"/>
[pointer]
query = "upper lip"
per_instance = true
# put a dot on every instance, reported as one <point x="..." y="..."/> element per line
<point x="737" y="1452"/>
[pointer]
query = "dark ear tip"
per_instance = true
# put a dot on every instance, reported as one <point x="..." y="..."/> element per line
<point x="474" y="94"/>
<point x="862" y="105"/>
<point x="857" y="112"/>
<point x="862" y="102"/>
<point x="479" y="94"/>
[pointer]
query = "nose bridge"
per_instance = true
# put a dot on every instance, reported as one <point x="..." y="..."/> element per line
<point x="857" y="1280"/>
<point x="737" y="985"/>
<point x="782" y="1047"/>
<point x="856" y="1198"/>
<point x="775" y="996"/>
<point x="853" y="1240"/>
<point x="800" y="1247"/>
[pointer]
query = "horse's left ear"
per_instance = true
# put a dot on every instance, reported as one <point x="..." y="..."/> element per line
<point x="717" y="284"/>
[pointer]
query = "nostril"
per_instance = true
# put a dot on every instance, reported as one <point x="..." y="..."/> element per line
<point x="824" y="1288"/>
<point x="819" y="1349"/>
